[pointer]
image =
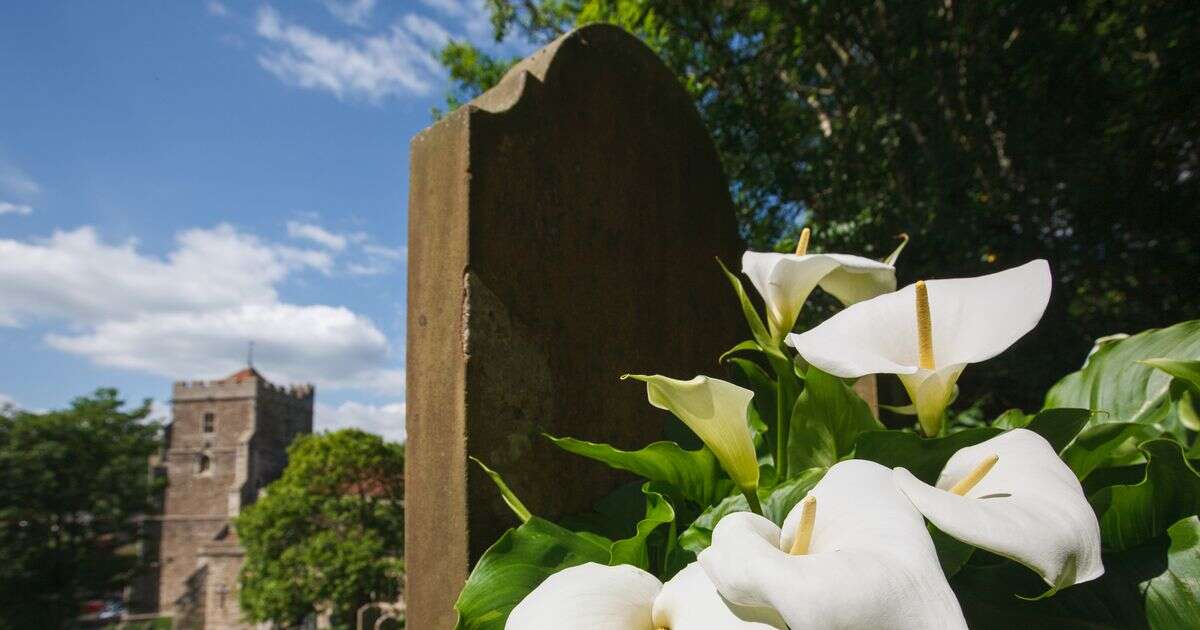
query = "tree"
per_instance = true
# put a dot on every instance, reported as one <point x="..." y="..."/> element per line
<point x="329" y="534"/>
<point x="991" y="132"/>
<point x="71" y="485"/>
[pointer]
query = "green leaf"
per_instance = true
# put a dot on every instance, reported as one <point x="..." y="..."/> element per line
<point x="1113" y="381"/>
<point x="750" y="375"/>
<point x="1107" y="444"/>
<point x="1132" y="515"/>
<point x="786" y="495"/>
<point x="1011" y="419"/>
<point x="826" y="420"/>
<point x="952" y="554"/>
<point x="633" y="550"/>
<point x="1150" y="586"/>
<point x="510" y="499"/>
<point x="1059" y="426"/>
<point x="514" y="566"/>
<point x="698" y="536"/>
<point x="1173" y="596"/>
<point x="757" y="329"/>
<point x="1184" y="389"/>
<point x="748" y="345"/>
<point x="1188" y="371"/>
<point x="696" y="474"/>
<point x="776" y="505"/>
<point x="923" y="457"/>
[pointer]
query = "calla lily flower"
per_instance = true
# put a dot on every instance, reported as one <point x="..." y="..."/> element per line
<point x="1012" y="495"/>
<point x="597" y="597"/>
<point x="785" y="281"/>
<point x="926" y="333"/>
<point x="717" y="412"/>
<point x="853" y="554"/>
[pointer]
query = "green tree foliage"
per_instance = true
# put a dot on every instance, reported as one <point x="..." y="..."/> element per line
<point x="71" y="484"/>
<point x="329" y="534"/>
<point x="992" y="132"/>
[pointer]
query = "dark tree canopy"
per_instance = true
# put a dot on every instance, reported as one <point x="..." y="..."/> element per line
<point x="71" y="484"/>
<point x="992" y="132"/>
<point x="329" y="534"/>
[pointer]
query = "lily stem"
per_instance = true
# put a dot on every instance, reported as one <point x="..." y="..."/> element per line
<point x="752" y="498"/>
<point x="782" y="427"/>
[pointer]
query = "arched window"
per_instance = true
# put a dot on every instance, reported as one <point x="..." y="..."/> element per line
<point x="203" y="464"/>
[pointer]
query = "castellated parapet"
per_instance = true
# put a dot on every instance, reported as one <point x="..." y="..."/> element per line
<point x="227" y="440"/>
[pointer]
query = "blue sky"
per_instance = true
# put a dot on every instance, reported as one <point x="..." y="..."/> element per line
<point x="177" y="179"/>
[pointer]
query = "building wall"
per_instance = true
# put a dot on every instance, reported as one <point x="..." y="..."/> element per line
<point x="198" y="555"/>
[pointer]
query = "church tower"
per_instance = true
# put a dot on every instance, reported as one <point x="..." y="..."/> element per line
<point x="227" y="440"/>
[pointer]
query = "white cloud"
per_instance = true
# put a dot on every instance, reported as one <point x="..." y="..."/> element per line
<point x="386" y="420"/>
<point x="15" y="208"/>
<point x="16" y="182"/>
<point x="371" y="68"/>
<point x="391" y="253"/>
<point x="217" y="9"/>
<point x="331" y="346"/>
<point x="472" y="15"/>
<point x="75" y="275"/>
<point x="352" y="12"/>
<point x="366" y="257"/>
<point x="6" y="401"/>
<point x="429" y="32"/>
<point x="316" y="234"/>
<point x="191" y="313"/>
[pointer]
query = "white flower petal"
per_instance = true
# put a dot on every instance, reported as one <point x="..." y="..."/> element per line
<point x="689" y="601"/>
<point x="857" y="279"/>
<point x="973" y="319"/>
<point x="1029" y="507"/>
<point x="717" y="412"/>
<point x="589" y="596"/>
<point x="785" y="281"/>
<point x="871" y="562"/>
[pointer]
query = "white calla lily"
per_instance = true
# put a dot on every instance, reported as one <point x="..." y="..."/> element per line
<point x="1022" y="502"/>
<point x="717" y="412"/>
<point x="785" y="281"/>
<point x="597" y="597"/>
<point x="867" y="559"/>
<point x="964" y="320"/>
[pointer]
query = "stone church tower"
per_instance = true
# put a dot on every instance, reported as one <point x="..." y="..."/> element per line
<point x="227" y="440"/>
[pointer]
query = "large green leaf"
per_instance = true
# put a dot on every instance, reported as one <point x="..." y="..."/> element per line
<point x="1113" y="381"/>
<point x="923" y="457"/>
<point x="1132" y="515"/>
<point x="776" y="505"/>
<point x="1107" y="444"/>
<point x="1173" y="596"/>
<point x="1151" y="586"/>
<point x="698" y="536"/>
<point x="1184" y="389"/>
<point x="826" y="420"/>
<point x="696" y="474"/>
<point x="510" y="569"/>
<point x="1059" y="426"/>
<point x="633" y="550"/>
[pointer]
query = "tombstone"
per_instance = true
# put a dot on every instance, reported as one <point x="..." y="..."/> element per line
<point x="562" y="232"/>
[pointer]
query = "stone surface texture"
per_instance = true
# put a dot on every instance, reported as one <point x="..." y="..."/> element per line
<point x="562" y="232"/>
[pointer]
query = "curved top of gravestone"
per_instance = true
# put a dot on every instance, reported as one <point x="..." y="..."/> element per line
<point x="546" y="61"/>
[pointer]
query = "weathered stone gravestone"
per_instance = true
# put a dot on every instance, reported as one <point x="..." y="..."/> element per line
<point x="562" y="230"/>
